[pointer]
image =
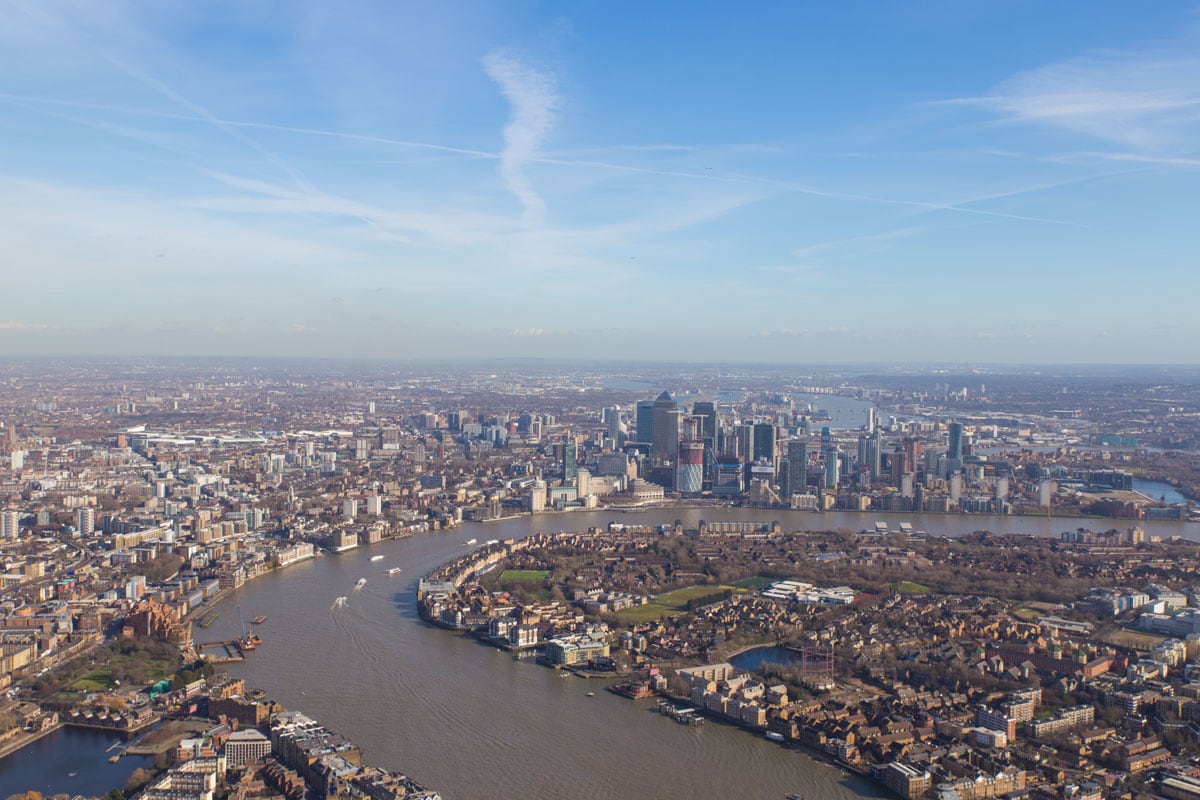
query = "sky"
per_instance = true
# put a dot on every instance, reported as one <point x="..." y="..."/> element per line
<point x="672" y="181"/>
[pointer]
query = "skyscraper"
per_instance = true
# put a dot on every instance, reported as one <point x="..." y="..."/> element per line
<point x="797" y="456"/>
<point x="956" y="441"/>
<point x="709" y="433"/>
<point x="570" y="459"/>
<point x="645" y="421"/>
<point x="833" y="467"/>
<point x="689" y="470"/>
<point x="665" y="443"/>
<point x="709" y="412"/>
<point x="612" y="424"/>
<point x="869" y="456"/>
<point x="764" y="442"/>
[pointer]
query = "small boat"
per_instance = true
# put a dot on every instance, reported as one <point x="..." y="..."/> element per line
<point x="774" y="737"/>
<point x="360" y="583"/>
<point x="394" y="571"/>
<point x="260" y="619"/>
<point x="591" y="694"/>
<point x="377" y="558"/>
<point x="491" y="542"/>
<point x="470" y="542"/>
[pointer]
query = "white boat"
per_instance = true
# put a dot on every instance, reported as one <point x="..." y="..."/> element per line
<point x="470" y="542"/>
<point x="361" y="583"/>
<point x="490" y="542"/>
<point x="394" y="571"/>
<point x="774" y="737"/>
<point x="377" y="558"/>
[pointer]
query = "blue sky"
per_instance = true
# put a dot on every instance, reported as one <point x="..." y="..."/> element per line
<point x="925" y="181"/>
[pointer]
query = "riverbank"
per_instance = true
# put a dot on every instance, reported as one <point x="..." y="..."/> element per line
<point x="166" y="736"/>
<point x="22" y="740"/>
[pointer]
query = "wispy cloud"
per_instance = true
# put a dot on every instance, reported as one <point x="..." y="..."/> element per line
<point x="1145" y="100"/>
<point x="534" y="99"/>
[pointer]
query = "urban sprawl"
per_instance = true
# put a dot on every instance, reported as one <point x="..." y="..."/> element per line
<point x="138" y="495"/>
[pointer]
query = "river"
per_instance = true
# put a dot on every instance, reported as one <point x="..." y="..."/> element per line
<point x="471" y="722"/>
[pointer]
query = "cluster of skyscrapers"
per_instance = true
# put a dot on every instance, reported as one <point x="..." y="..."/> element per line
<point x="775" y="458"/>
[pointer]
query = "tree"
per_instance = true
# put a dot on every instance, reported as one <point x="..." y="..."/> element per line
<point x="138" y="778"/>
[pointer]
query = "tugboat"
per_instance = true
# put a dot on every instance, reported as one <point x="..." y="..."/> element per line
<point x="250" y="639"/>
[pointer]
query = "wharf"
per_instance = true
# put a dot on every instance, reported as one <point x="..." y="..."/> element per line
<point x="222" y="652"/>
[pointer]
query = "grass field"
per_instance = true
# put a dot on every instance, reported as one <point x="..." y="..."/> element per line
<point x="96" y="681"/>
<point x="511" y="576"/>
<point x="1027" y="614"/>
<point x="651" y="612"/>
<point x="670" y="604"/>
<point x="757" y="582"/>
<point x="908" y="587"/>
<point x="679" y="598"/>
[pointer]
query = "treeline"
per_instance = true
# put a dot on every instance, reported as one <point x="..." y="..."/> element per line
<point x="708" y="599"/>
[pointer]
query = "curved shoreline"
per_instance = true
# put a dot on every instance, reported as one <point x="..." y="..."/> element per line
<point x="468" y="566"/>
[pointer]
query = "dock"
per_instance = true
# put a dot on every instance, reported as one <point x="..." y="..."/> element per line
<point x="222" y="652"/>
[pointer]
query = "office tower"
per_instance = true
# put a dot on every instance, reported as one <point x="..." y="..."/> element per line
<point x="645" y="421"/>
<point x="665" y="443"/>
<point x="871" y="420"/>
<point x="570" y="459"/>
<point x="612" y="424"/>
<point x="86" y="521"/>
<point x="869" y="455"/>
<point x="797" y="457"/>
<point x="912" y="453"/>
<point x="745" y="441"/>
<point x="826" y="438"/>
<point x="729" y="479"/>
<point x="708" y="411"/>
<point x="833" y="467"/>
<point x="764" y="442"/>
<point x="690" y="427"/>
<point x="689" y="470"/>
<point x="956" y="441"/>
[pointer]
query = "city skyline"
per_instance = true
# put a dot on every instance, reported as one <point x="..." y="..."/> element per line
<point x="995" y="183"/>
